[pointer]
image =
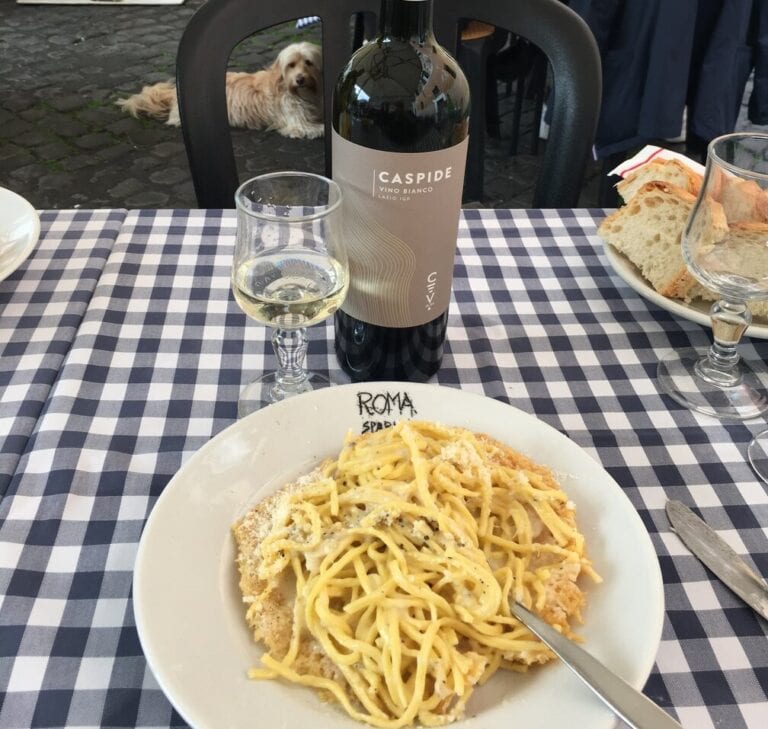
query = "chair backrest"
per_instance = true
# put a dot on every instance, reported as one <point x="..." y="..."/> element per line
<point x="201" y="64"/>
<point x="220" y="25"/>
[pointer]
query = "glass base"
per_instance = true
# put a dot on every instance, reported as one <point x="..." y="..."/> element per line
<point x="746" y="398"/>
<point x="265" y="391"/>
<point x="757" y="453"/>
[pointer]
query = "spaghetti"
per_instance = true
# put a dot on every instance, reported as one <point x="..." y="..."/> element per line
<point x="384" y="577"/>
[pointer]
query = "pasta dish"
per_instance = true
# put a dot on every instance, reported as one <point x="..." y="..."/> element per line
<point x="383" y="579"/>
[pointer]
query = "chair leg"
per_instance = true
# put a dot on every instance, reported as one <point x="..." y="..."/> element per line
<point x="364" y="28"/>
<point x="607" y="195"/>
<point x="358" y="33"/>
<point x="538" y="83"/>
<point x="473" y="56"/>
<point x="517" y="113"/>
<point x="472" y="60"/>
<point x="493" y="123"/>
<point x="539" y="112"/>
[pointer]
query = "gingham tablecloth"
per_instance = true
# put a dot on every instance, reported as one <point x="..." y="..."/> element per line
<point x="41" y="307"/>
<point x="123" y="352"/>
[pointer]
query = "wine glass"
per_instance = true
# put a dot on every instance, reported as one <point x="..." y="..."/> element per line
<point x="725" y="247"/>
<point x="289" y="271"/>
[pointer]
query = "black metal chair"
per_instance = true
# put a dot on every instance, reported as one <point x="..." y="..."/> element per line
<point x="220" y="25"/>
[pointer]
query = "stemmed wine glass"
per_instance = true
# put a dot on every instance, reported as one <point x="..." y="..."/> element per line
<point x="725" y="247"/>
<point x="289" y="271"/>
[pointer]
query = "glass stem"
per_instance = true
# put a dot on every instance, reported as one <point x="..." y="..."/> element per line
<point x="730" y="320"/>
<point x="290" y="347"/>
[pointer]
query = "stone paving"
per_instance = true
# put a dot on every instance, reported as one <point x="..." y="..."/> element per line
<point x="64" y="143"/>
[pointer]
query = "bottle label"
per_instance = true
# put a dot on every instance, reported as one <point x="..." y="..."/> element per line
<point x="400" y="223"/>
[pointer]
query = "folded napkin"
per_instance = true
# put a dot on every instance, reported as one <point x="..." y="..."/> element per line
<point x="649" y="152"/>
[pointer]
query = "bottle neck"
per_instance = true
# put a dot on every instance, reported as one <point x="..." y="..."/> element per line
<point x="406" y="19"/>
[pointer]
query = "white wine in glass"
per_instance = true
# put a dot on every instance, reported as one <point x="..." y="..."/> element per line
<point x="290" y="290"/>
<point x="289" y="272"/>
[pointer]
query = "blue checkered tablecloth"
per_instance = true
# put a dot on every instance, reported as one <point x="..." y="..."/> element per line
<point x="41" y="306"/>
<point x="123" y="352"/>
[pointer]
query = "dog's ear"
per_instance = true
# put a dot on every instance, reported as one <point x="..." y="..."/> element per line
<point x="278" y="73"/>
<point x="285" y="55"/>
<point x="314" y="54"/>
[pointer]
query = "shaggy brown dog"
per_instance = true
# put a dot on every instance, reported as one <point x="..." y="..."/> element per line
<point x="286" y="97"/>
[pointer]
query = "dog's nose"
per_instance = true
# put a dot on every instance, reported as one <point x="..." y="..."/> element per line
<point x="300" y="80"/>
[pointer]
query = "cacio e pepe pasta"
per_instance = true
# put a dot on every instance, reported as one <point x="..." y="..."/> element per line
<point x="383" y="578"/>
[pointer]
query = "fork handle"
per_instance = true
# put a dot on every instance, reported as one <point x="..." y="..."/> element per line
<point x="631" y="705"/>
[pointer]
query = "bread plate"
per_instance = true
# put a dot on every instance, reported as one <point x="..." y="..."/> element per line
<point x="189" y="613"/>
<point x="19" y="231"/>
<point x="695" y="311"/>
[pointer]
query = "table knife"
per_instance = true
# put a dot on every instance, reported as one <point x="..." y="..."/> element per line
<point x="712" y="550"/>
<point x="631" y="705"/>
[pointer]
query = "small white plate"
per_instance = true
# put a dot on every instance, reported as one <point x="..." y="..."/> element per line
<point x="696" y="311"/>
<point x="19" y="231"/>
<point x="187" y="603"/>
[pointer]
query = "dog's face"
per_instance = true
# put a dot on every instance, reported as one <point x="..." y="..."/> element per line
<point x="300" y="66"/>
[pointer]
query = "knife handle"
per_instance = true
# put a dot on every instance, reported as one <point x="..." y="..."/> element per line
<point x="631" y="705"/>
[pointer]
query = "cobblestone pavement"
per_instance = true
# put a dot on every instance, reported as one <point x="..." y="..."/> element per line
<point x="64" y="143"/>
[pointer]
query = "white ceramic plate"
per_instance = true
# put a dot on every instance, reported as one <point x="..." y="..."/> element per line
<point x="19" y="231"/>
<point x="697" y="311"/>
<point x="187" y="604"/>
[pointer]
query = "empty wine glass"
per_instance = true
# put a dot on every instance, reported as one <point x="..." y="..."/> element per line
<point x="289" y="271"/>
<point x="725" y="246"/>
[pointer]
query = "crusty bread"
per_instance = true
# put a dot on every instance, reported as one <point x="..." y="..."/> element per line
<point x="647" y="231"/>
<point x="743" y="201"/>
<point x="671" y="171"/>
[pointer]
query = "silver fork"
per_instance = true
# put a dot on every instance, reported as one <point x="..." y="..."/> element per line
<point x="632" y="706"/>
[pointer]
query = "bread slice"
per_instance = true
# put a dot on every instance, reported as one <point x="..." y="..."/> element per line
<point x="647" y="231"/>
<point x="671" y="171"/>
<point x="743" y="201"/>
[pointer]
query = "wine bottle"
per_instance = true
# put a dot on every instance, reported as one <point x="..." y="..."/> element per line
<point x="400" y="124"/>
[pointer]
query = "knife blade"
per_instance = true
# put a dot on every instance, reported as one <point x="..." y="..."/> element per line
<point x="713" y="551"/>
